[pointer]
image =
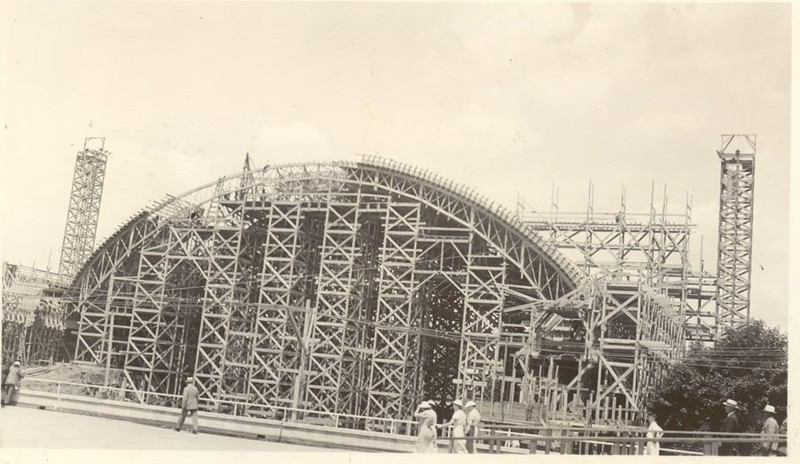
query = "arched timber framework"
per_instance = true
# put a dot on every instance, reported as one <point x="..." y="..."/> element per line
<point x="351" y="287"/>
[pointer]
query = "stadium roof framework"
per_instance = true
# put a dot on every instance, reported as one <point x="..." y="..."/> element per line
<point x="361" y="288"/>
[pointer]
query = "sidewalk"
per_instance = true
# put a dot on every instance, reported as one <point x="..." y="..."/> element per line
<point x="23" y="427"/>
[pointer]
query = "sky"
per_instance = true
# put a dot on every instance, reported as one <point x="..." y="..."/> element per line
<point x="512" y="99"/>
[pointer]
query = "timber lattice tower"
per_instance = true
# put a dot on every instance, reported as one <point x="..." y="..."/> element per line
<point x="84" y="206"/>
<point x="737" y="157"/>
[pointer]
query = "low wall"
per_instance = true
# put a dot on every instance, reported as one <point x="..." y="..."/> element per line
<point x="271" y="430"/>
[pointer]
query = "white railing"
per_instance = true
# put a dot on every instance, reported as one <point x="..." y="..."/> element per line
<point x="233" y="407"/>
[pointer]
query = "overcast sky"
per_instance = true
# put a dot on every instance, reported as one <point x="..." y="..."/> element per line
<point x="510" y="99"/>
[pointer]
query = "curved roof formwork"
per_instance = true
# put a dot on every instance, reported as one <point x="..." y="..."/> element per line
<point x="346" y="287"/>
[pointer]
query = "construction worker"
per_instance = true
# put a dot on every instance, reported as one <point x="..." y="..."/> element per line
<point x="769" y="432"/>
<point x="473" y="420"/>
<point x="12" y="383"/>
<point x="729" y="425"/>
<point x="189" y="405"/>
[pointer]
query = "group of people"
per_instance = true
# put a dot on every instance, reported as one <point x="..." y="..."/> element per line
<point x="464" y="421"/>
<point x="12" y="378"/>
<point x="464" y="418"/>
<point x="770" y="445"/>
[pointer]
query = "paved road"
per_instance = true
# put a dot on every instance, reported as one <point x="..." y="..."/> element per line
<point x="22" y="427"/>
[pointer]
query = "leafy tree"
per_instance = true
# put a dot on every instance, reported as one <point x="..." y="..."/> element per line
<point x="749" y="365"/>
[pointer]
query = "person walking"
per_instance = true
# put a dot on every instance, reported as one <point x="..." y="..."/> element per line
<point x="459" y="423"/>
<point x="426" y="435"/>
<point x="769" y="432"/>
<point x="473" y="420"/>
<point x="189" y="405"/>
<point x="653" y="431"/>
<point x="12" y="383"/>
<point x="729" y="425"/>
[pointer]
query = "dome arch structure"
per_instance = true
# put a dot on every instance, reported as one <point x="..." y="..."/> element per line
<point x="343" y="287"/>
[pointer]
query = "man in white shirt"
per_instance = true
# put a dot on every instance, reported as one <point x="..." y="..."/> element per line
<point x="768" y="432"/>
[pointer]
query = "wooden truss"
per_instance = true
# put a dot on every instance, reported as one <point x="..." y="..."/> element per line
<point x="362" y="288"/>
<point x="644" y="304"/>
<point x="355" y="288"/>
<point x="84" y="207"/>
<point x="734" y="257"/>
<point x="33" y="315"/>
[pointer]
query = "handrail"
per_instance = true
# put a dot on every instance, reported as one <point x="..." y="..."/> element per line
<point x="609" y="428"/>
<point x="615" y="445"/>
<point x="394" y="425"/>
<point x="623" y="439"/>
<point x="629" y="438"/>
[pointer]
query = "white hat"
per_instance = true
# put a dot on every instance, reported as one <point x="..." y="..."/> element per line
<point x="731" y="403"/>
<point x="189" y="379"/>
<point x="770" y="409"/>
<point x="16" y="363"/>
<point x="470" y="403"/>
<point x="424" y="405"/>
<point x="458" y="403"/>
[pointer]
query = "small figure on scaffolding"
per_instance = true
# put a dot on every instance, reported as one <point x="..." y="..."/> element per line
<point x="426" y="435"/>
<point x="189" y="405"/>
<point x="12" y="384"/>
<point x="459" y="423"/>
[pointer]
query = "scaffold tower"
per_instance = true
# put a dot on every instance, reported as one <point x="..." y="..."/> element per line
<point x="84" y="205"/>
<point x="734" y="255"/>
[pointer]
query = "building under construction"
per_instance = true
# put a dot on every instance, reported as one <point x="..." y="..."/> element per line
<point x="361" y="288"/>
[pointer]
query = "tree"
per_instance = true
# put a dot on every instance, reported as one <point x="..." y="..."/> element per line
<point x="749" y="365"/>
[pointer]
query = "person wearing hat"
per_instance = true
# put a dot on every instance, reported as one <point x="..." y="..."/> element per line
<point x="12" y="383"/>
<point x="459" y="423"/>
<point x="473" y="420"/>
<point x="729" y="425"/>
<point x="769" y="432"/>
<point x="426" y="434"/>
<point x="189" y="405"/>
<point x="433" y="411"/>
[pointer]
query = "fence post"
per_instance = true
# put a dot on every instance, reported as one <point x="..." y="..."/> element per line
<point x="58" y="395"/>
<point x="566" y="447"/>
